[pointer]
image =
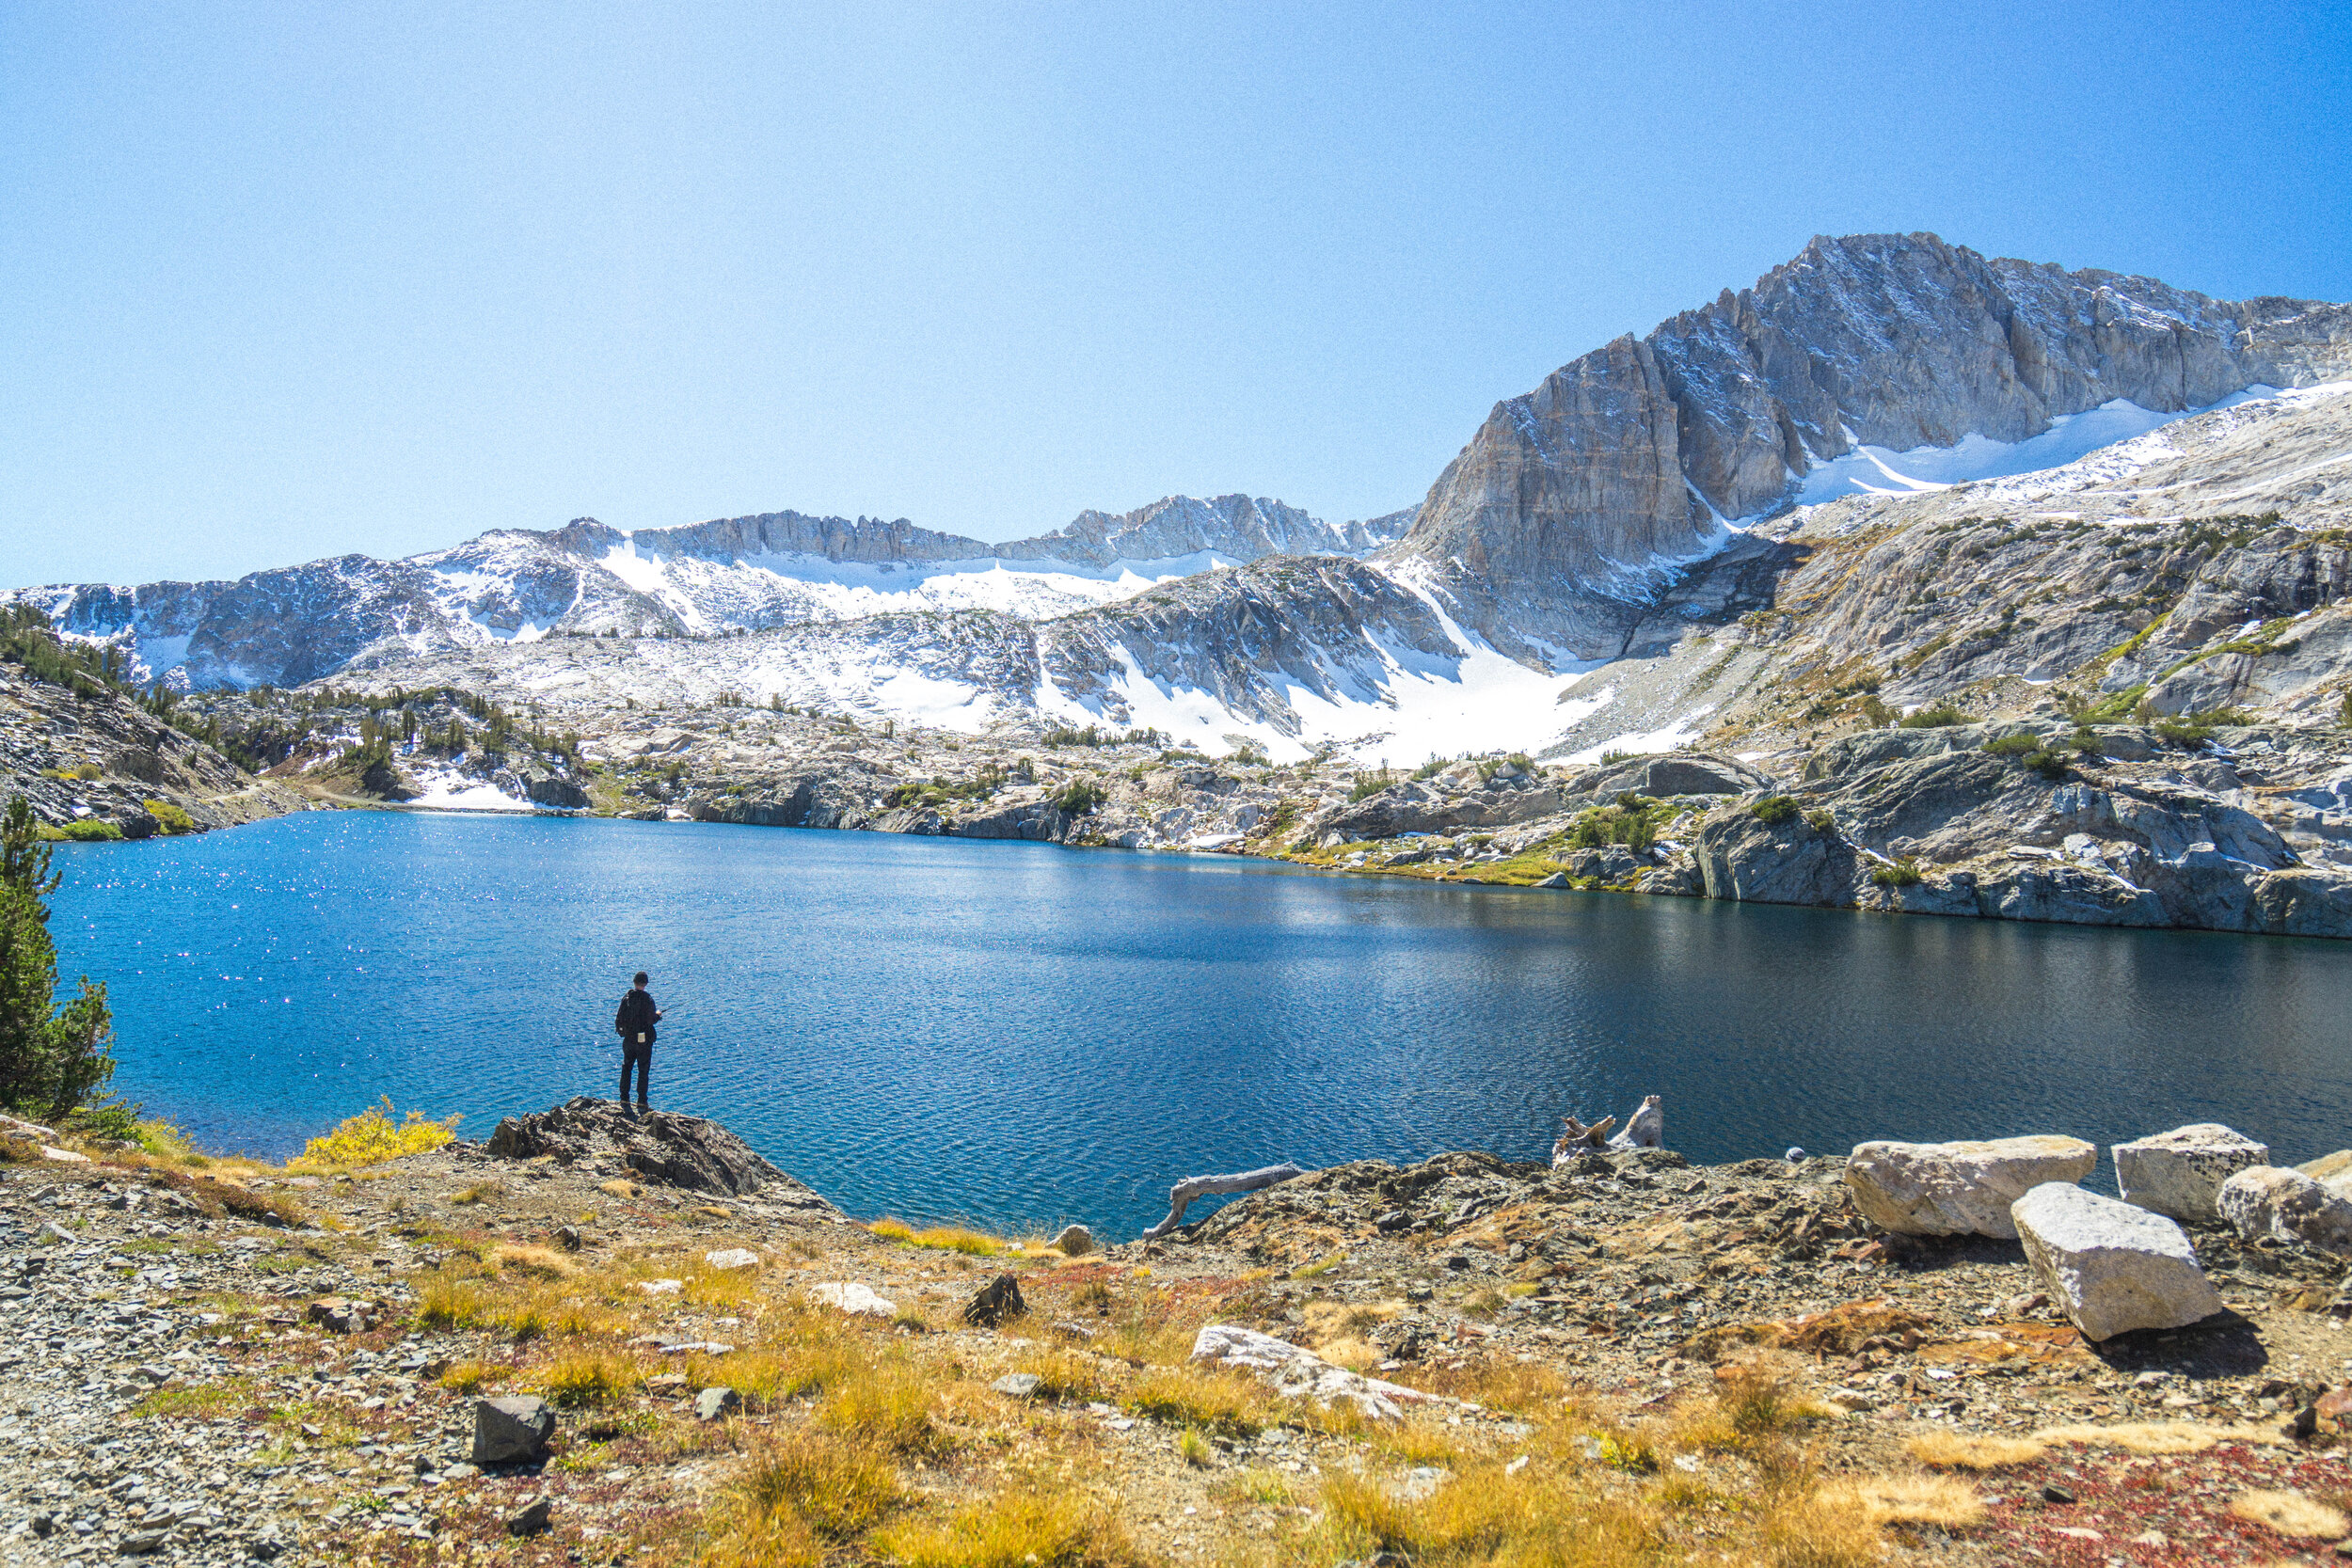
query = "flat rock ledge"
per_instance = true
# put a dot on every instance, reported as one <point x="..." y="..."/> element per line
<point x="659" y="1146"/>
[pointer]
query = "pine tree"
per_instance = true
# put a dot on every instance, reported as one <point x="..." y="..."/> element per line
<point x="53" y="1062"/>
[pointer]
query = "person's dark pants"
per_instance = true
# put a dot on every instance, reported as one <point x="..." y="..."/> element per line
<point x="640" y="1057"/>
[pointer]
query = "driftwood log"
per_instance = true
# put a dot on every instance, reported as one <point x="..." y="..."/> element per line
<point x="1576" y="1135"/>
<point x="1182" y="1195"/>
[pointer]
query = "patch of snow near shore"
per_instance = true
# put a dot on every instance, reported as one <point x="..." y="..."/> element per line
<point x="1879" y="472"/>
<point x="453" y="791"/>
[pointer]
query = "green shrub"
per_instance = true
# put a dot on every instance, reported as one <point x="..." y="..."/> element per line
<point x="53" y="1060"/>
<point x="1369" y="784"/>
<point x="93" y="830"/>
<point x="1875" y="710"/>
<point x="2085" y="742"/>
<point x="1521" y="761"/>
<point x="1431" y="769"/>
<point x="2013" y="745"/>
<point x="1078" y="798"/>
<point x="171" y="819"/>
<point x="1903" y="872"/>
<point x="1775" y="810"/>
<point x="1934" y="716"/>
<point x="1820" y="821"/>
<point x="2049" y="763"/>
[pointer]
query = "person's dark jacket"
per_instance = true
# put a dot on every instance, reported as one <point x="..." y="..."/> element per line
<point x="635" y="1017"/>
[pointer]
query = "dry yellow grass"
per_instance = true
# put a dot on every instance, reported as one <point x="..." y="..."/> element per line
<point x="590" y="1380"/>
<point x="837" y="1489"/>
<point x="2292" y="1513"/>
<point x="1024" y="1530"/>
<point x="1484" y="1513"/>
<point x="468" y="1377"/>
<point x="618" y="1188"/>
<point x="1227" y="1403"/>
<point x="1944" y="1501"/>
<point x="886" y="1403"/>
<point x="1064" y="1375"/>
<point x="2160" y="1438"/>
<point x="1952" y="1450"/>
<point x="545" y="1262"/>
<point x="1813" y="1531"/>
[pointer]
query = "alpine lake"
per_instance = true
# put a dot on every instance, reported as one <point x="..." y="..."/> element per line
<point x="1017" y="1035"/>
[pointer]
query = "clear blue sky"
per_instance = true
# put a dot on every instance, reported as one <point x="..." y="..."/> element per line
<point x="284" y="281"/>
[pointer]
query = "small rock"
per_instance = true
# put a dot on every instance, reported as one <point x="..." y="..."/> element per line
<point x="2180" y="1173"/>
<point x="1960" y="1189"/>
<point x="716" y="1402"/>
<point x="998" y="1300"/>
<point x="732" y="1258"/>
<point x="1075" y="1241"/>
<point x="2265" y="1200"/>
<point x="2053" y="1493"/>
<point x="567" y="1237"/>
<point x="532" y="1519"/>
<point x="1017" y="1385"/>
<point x="660" y="1287"/>
<point x="1300" y="1373"/>
<point x="144" y="1543"/>
<point x="858" y="1299"/>
<point x="2112" y="1266"/>
<point x="511" y="1430"/>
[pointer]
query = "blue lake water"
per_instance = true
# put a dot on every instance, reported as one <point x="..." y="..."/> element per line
<point x="1017" y="1034"/>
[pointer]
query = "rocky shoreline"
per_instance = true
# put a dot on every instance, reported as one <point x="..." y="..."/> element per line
<point x="577" y="1340"/>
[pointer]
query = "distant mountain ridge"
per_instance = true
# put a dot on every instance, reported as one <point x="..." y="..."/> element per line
<point x="287" y="626"/>
<point x="1629" y="503"/>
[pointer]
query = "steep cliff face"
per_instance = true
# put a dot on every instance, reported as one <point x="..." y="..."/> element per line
<point x="1626" y="458"/>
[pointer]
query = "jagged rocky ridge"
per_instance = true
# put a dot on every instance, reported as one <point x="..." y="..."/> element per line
<point x="298" y="624"/>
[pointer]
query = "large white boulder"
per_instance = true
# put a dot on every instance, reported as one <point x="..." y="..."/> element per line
<point x="2180" y="1173"/>
<point x="2112" y="1266"/>
<point x="857" y="1300"/>
<point x="1298" y="1373"/>
<point x="2265" y="1200"/>
<point x="1959" y="1189"/>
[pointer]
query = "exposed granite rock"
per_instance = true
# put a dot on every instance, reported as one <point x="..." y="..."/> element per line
<point x="661" y="1145"/>
<point x="2112" y="1267"/>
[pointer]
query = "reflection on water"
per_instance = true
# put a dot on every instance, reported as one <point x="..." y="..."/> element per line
<point x="1017" y="1034"/>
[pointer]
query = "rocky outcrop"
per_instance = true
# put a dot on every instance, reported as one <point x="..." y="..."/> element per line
<point x="1953" y="821"/>
<point x="661" y="1145"/>
<point x="1629" y="456"/>
<point x="2111" y="1267"/>
<point x="101" y="757"/>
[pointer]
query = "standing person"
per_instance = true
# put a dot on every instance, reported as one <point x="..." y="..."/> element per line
<point x="634" y="1023"/>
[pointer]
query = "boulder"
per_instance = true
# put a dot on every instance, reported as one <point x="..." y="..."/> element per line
<point x="2331" y="1171"/>
<point x="1960" y="1189"/>
<point x="716" y="1403"/>
<point x="857" y="1300"/>
<point x="1300" y="1374"/>
<point x="2265" y="1200"/>
<point x="1018" y="1385"/>
<point x="1075" y="1241"/>
<point x="2112" y="1266"/>
<point x="2180" y="1173"/>
<point x="511" y="1430"/>
<point x="998" y="1300"/>
<point x="732" y="1258"/>
<point x="532" y="1518"/>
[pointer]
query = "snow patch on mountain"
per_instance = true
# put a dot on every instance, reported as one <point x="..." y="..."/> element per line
<point x="1876" y="472"/>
